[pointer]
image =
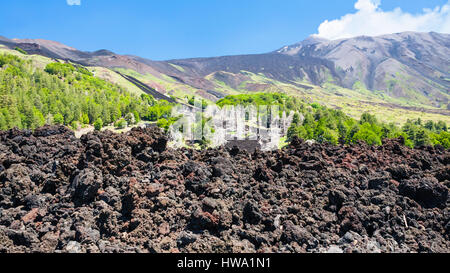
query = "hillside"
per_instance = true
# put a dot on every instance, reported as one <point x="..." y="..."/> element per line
<point x="35" y="90"/>
<point x="396" y="77"/>
<point x="411" y="66"/>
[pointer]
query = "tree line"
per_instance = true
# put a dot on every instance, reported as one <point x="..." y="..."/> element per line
<point x="317" y="122"/>
<point x="68" y="94"/>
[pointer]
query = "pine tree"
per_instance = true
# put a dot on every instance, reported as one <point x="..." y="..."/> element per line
<point x="98" y="124"/>
<point x="58" y="119"/>
<point x="421" y="138"/>
<point x="3" y="124"/>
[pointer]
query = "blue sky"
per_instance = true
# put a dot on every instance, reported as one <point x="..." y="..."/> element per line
<point x="171" y="29"/>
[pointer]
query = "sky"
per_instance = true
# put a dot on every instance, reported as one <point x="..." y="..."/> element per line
<point x="173" y="29"/>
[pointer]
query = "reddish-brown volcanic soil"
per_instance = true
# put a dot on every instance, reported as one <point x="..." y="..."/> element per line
<point x="108" y="192"/>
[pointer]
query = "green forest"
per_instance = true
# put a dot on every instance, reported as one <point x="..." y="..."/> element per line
<point x="67" y="94"/>
<point x="334" y="126"/>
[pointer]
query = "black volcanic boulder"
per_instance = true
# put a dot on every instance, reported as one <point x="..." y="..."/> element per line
<point x="428" y="192"/>
<point x="197" y="176"/>
<point x="399" y="172"/>
<point x="263" y="174"/>
<point x="15" y="185"/>
<point x="86" y="185"/>
<point x="47" y="131"/>
<point x="221" y="166"/>
<point x="251" y="213"/>
<point x="379" y="182"/>
<point x="336" y="198"/>
<point x="302" y="236"/>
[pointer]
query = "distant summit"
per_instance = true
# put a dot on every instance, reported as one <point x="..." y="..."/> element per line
<point x="411" y="65"/>
<point x="295" y="48"/>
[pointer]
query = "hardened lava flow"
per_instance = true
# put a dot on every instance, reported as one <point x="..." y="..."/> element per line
<point x="128" y="192"/>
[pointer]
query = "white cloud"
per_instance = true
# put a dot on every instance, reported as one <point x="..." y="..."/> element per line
<point x="73" y="2"/>
<point x="371" y="20"/>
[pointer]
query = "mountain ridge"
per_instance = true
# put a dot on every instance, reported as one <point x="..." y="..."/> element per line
<point x="408" y="66"/>
<point x="420" y="54"/>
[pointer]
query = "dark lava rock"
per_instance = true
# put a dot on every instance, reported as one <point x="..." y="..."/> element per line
<point x="379" y="182"/>
<point x="118" y="193"/>
<point x="86" y="185"/>
<point x="251" y="213"/>
<point x="336" y="198"/>
<point x="300" y="235"/>
<point x="427" y="191"/>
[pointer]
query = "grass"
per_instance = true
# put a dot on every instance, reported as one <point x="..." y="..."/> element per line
<point x="179" y="68"/>
<point x="38" y="60"/>
<point x="414" y="98"/>
<point x="352" y="102"/>
<point x="164" y="83"/>
<point x="111" y="76"/>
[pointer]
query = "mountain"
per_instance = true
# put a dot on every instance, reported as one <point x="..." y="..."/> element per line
<point x="407" y="65"/>
<point x="293" y="49"/>
<point x="398" y="70"/>
<point x="191" y="71"/>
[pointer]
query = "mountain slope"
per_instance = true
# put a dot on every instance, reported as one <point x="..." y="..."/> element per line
<point x="405" y="71"/>
<point x="36" y="90"/>
<point x="414" y="66"/>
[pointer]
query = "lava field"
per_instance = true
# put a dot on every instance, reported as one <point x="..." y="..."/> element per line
<point x="129" y="192"/>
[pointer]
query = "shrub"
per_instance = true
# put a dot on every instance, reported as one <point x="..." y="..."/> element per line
<point x="98" y="124"/>
<point x="21" y="50"/>
<point x="59" y="69"/>
<point x="58" y="119"/>
<point x="121" y="124"/>
<point x="163" y="123"/>
<point x="130" y="119"/>
<point x="367" y="134"/>
<point x="75" y="125"/>
<point x="85" y="119"/>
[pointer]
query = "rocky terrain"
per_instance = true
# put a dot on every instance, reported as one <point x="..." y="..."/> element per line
<point x="128" y="192"/>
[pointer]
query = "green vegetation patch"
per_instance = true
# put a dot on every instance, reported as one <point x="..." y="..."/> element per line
<point x="323" y="124"/>
<point x="21" y="50"/>
<point x="179" y="68"/>
<point x="68" y="95"/>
